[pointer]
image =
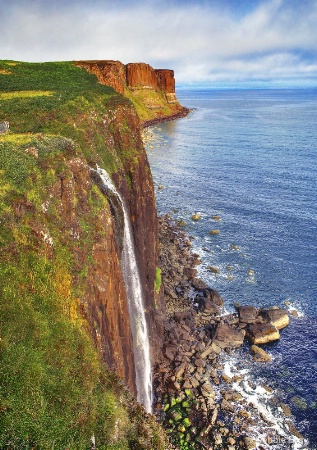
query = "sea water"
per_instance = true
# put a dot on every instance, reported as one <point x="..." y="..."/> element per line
<point x="246" y="162"/>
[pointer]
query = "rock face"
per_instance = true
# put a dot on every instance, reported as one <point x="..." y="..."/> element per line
<point x="151" y="90"/>
<point x="139" y="195"/>
<point x="109" y="319"/>
<point x="111" y="73"/>
<point x="141" y="76"/>
<point x="166" y="82"/>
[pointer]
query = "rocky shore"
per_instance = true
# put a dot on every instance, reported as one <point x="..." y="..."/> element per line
<point x="201" y="397"/>
<point x="182" y="113"/>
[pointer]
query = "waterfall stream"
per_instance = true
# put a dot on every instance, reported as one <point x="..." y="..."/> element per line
<point x="139" y="330"/>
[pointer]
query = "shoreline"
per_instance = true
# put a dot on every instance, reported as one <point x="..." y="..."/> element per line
<point x="179" y="115"/>
<point x="200" y="396"/>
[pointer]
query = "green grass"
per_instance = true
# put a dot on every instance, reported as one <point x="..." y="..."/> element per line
<point x="158" y="280"/>
<point x="22" y="94"/>
<point x="149" y="104"/>
<point x="63" y="100"/>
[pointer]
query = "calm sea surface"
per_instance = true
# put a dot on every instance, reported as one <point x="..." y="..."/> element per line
<point x="250" y="157"/>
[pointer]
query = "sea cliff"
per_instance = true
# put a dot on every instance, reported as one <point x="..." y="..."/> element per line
<point x="66" y="342"/>
<point x="152" y="91"/>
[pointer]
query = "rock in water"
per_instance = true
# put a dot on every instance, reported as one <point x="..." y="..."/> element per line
<point x="261" y="333"/>
<point x="278" y="317"/>
<point x="260" y="355"/>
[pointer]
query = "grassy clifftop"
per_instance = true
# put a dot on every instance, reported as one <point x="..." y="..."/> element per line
<point x="55" y="390"/>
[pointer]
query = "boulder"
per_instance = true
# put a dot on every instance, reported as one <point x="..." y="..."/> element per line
<point x="248" y="314"/>
<point x="197" y="283"/>
<point x="207" y="306"/>
<point x="261" y="333"/>
<point x="227" y="336"/>
<point x="207" y="390"/>
<point x="286" y="409"/>
<point x="183" y="315"/>
<point x="170" y="352"/>
<point x="206" y="352"/>
<point x="249" y="443"/>
<point x="259" y="355"/>
<point x="278" y="317"/>
<point x="190" y="272"/>
<point x="213" y="269"/>
<point x="216" y="298"/>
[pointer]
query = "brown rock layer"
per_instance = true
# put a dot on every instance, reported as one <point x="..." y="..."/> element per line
<point x="141" y="75"/>
<point x="104" y="303"/>
<point x="110" y="73"/>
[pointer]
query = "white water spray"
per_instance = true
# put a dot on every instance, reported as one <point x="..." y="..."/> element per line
<point x="136" y="305"/>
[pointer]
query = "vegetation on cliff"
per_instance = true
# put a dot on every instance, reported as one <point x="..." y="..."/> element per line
<point x="55" y="389"/>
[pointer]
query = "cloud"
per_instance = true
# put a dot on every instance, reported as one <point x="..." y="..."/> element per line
<point x="200" y="40"/>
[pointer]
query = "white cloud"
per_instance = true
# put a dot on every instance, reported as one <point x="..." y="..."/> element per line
<point x="275" y="39"/>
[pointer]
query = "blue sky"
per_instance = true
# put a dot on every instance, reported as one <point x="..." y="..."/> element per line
<point x="215" y="42"/>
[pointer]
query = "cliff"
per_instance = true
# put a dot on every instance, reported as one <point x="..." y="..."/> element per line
<point x="152" y="91"/>
<point x="64" y="309"/>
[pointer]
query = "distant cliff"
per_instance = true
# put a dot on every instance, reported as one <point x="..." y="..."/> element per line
<point x="152" y="91"/>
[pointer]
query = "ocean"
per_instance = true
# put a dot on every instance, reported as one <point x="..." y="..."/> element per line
<point x="246" y="162"/>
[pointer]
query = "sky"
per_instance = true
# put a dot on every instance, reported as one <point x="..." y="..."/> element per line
<point x="210" y="43"/>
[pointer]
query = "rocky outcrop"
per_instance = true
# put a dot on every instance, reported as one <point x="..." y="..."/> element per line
<point x="166" y="82"/>
<point x="152" y="91"/>
<point x="110" y="73"/>
<point x="141" y="76"/>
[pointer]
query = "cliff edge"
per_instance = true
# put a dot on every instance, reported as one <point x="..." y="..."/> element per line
<point x="64" y="316"/>
<point x="152" y="91"/>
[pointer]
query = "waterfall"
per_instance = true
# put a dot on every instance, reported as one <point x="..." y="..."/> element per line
<point x="131" y="277"/>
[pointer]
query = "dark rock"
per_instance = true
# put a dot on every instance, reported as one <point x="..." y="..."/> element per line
<point x="190" y="273"/>
<point x="214" y="296"/>
<point x="170" y="352"/>
<point x="183" y="315"/>
<point x="227" y="336"/>
<point x="207" y="306"/>
<point x="248" y="314"/>
<point x="198" y="284"/>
